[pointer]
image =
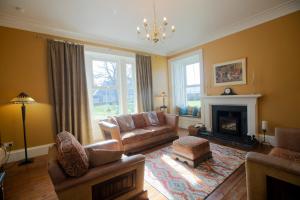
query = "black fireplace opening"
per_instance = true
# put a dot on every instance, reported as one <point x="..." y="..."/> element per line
<point x="229" y="121"/>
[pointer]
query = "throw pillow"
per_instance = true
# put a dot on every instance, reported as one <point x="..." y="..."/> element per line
<point x="153" y="118"/>
<point x="190" y="110"/>
<point x="195" y="112"/>
<point x="125" y="123"/>
<point x="98" y="157"/>
<point x="183" y="111"/>
<point x="71" y="155"/>
<point x="161" y="117"/>
<point x="146" y="118"/>
<point x="139" y="121"/>
<point x="113" y="120"/>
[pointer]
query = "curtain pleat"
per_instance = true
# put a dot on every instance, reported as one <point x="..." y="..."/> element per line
<point x="144" y="83"/>
<point x="69" y="89"/>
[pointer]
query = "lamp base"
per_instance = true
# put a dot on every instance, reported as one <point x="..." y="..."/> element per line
<point x="25" y="162"/>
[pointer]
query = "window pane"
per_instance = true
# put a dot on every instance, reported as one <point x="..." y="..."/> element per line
<point x="193" y="74"/>
<point x="131" y="93"/>
<point x="193" y="96"/>
<point x="105" y="103"/>
<point x="104" y="73"/>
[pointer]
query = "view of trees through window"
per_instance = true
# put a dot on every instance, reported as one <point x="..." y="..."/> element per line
<point x="112" y="85"/>
<point x="193" y="84"/>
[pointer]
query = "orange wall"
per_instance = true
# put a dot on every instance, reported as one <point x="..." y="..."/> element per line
<point x="272" y="51"/>
<point x="23" y="67"/>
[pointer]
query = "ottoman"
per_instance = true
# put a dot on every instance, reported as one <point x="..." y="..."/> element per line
<point x="192" y="150"/>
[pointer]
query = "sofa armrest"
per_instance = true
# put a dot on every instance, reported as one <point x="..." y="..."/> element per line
<point x="99" y="174"/>
<point x="172" y="120"/>
<point x="112" y="129"/>
<point x="106" y="145"/>
<point x="55" y="171"/>
<point x="288" y="138"/>
<point x="260" y="166"/>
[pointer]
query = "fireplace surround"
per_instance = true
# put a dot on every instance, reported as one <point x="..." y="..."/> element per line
<point x="231" y="117"/>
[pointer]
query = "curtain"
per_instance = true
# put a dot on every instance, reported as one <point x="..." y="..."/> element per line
<point x="144" y="83"/>
<point x="69" y="89"/>
<point x="178" y="82"/>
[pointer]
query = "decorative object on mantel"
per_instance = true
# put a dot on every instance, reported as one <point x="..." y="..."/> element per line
<point x="230" y="73"/>
<point x="228" y="91"/>
<point x="264" y="128"/>
<point x="155" y="32"/>
<point x="23" y="99"/>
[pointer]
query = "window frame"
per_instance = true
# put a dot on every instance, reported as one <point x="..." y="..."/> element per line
<point x="181" y="57"/>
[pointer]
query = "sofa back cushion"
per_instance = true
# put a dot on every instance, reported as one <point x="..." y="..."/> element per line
<point x="71" y="155"/>
<point x="161" y="117"/>
<point x="146" y="118"/>
<point x="125" y="123"/>
<point x="98" y="157"/>
<point x="139" y="120"/>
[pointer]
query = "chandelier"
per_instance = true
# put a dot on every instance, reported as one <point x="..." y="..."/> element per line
<point x="155" y="32"/>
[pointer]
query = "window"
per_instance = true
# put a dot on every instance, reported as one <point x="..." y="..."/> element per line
<point x="186" y="80"/>
<point x="111" y="84"/>
<point x="192" y="73"/>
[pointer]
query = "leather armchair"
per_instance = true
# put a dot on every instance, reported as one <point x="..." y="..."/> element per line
<point x="103" y="182"/>
<point x="282" y="163"/>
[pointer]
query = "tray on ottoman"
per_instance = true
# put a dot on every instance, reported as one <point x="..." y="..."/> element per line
<point x="192" y="150"/>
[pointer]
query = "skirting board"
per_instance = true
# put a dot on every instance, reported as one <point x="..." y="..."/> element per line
<point x="269" y="138"/>
<point x="19" y="154"/>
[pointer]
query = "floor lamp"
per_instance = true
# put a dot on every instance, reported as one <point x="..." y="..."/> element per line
<point x="23" y="99"/>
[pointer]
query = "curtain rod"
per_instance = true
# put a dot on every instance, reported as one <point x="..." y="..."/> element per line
<point x="74" y="41"/>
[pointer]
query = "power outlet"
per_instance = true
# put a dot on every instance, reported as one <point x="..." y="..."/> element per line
<point x="8" y="144"/>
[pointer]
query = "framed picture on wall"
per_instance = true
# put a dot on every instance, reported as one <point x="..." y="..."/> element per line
<point x="230" y="73"/>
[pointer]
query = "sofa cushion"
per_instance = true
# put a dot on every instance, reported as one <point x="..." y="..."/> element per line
<point x="146" y="118"/>
<point x="157" y="130"/>
<point x="135" y="135"/>
<point x="285" y="154"/>
<point x="71" y="155"/>
<point x="125" y="123"/>
<point x="153" y="118"/>
<point x="139" y="121"/>
<point x="161" y="117"/>
<point x="98" y="157"/>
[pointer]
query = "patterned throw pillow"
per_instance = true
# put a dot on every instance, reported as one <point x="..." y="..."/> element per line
<point x="153" y="118"/>
<point x="146" y="118"/>
<point x="125" y="123"/>
<point x="71" y="155"/>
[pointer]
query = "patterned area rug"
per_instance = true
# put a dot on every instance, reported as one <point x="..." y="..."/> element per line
<point x="176" y="180"/>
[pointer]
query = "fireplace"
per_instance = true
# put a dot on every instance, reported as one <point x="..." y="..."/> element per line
<point x="229" y="121"/>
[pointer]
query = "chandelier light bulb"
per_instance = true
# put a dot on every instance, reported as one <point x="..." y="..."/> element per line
<point x="165" y="19"/>
<point x="173" y="28"/>
<point x="145" y="21"/>
<point x="148" y="36"/>
<point x="164" y="35"/>
<point x="138" y="30"/>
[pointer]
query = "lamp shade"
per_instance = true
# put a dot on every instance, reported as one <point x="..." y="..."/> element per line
<point x="22" y="98"/>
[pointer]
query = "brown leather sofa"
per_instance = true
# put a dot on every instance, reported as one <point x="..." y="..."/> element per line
<point x="277" y="170"/>
<point x="122" y="179"/>
<point x="145" y="136"/>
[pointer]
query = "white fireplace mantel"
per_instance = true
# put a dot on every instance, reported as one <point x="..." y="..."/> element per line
<point x="239" y="100"/>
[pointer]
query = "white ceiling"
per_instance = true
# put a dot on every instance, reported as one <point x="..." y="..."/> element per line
<point x="114" y="21"/>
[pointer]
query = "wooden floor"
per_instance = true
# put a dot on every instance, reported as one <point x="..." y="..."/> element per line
<point x="32" y="182"/>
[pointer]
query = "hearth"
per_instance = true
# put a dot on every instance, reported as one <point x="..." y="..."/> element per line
<point x="229" y="123"/>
